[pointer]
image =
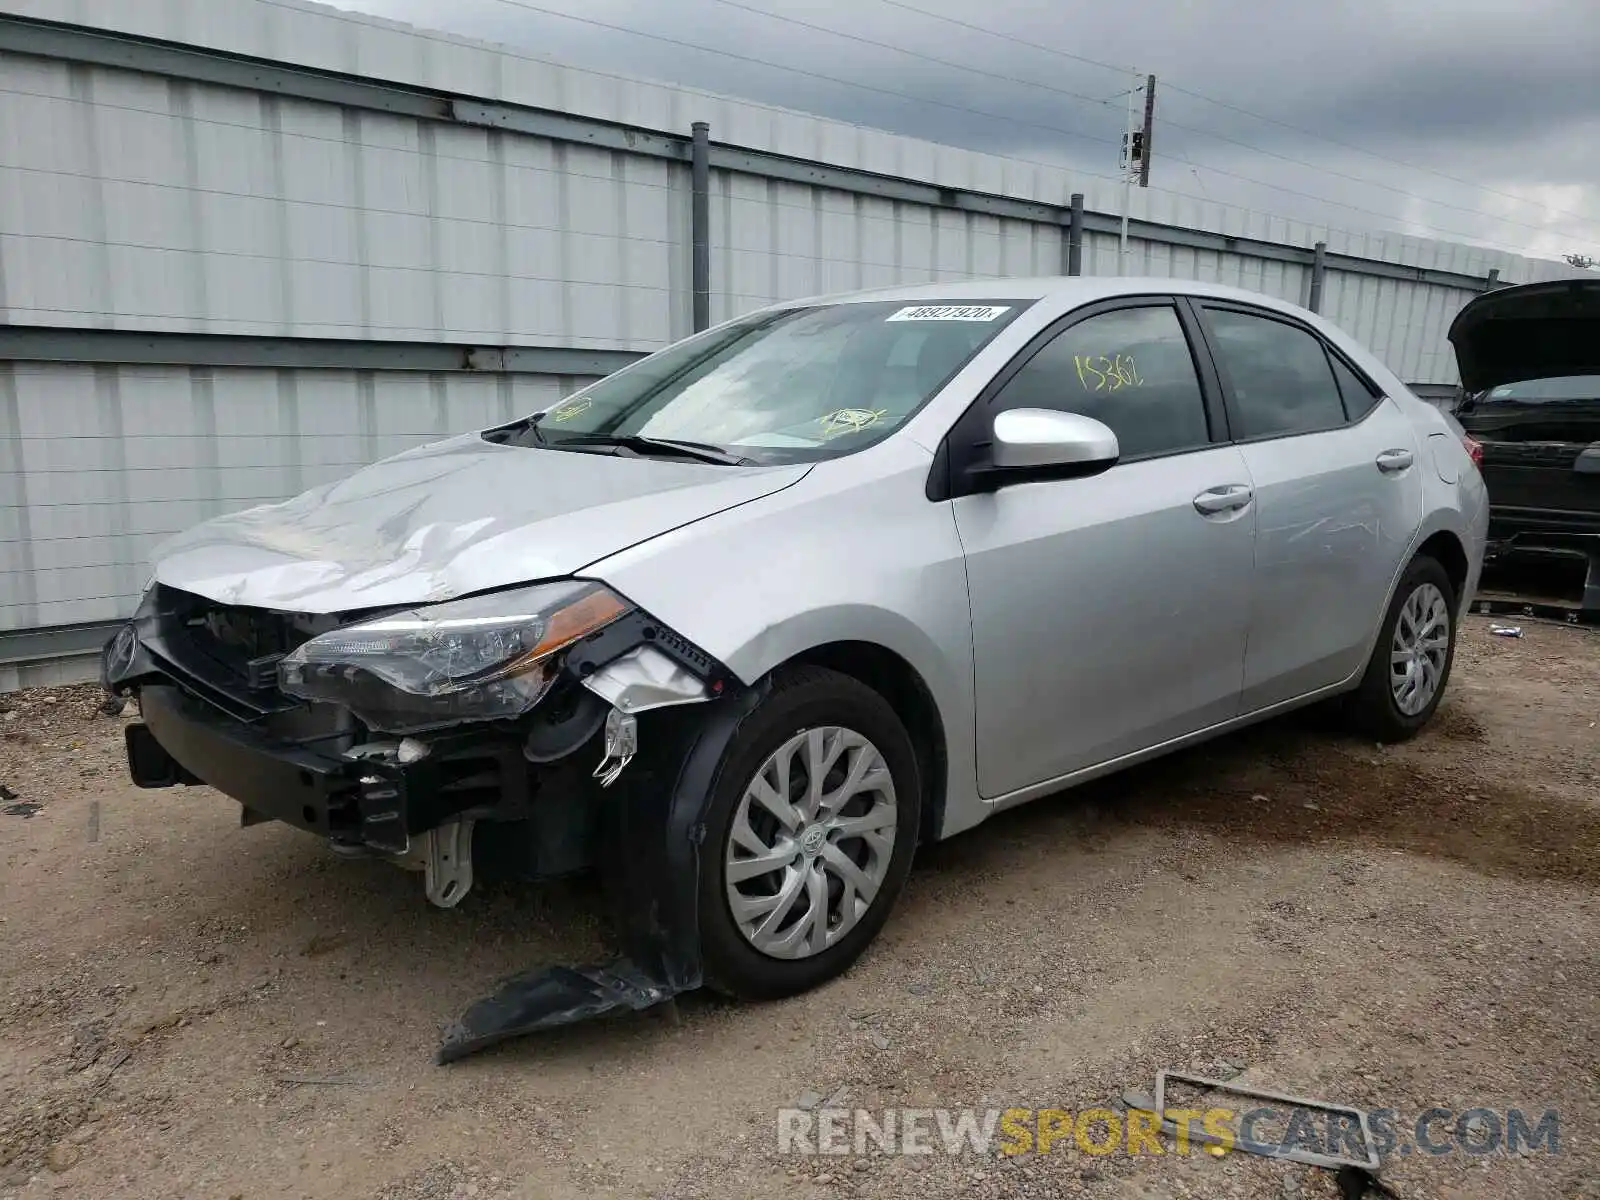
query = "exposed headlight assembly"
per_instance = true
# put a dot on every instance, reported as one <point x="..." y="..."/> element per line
<point x="483" y="658"/>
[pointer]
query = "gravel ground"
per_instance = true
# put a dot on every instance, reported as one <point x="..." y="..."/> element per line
<point x="191" y="1009"/>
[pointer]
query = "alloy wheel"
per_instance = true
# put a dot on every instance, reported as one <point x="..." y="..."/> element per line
<point x="1417" y="654"/>
<point x="810" y="843"/>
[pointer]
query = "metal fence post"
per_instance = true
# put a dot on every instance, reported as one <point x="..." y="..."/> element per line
<point x="1074" y="254"/>
<point x="700" y="224"/>
<point x="1319" y="271"/>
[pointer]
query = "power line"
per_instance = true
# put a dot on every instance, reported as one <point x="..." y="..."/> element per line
<point x="1094" y="62"/>
<point x="1166" y="123"/>
<point x="1091" y="62"/>
<point x="1337" y="174"/>
<point x="474" y="160"/>
<point x="850" y="83"/>
<point x="943" y="62"/>
<point x="337" y="12"/>
<point x="1397" y="162"/>
<point x="1434" y="230"/>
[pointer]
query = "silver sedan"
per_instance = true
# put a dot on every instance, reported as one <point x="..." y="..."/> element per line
<point x="744" y="624"/>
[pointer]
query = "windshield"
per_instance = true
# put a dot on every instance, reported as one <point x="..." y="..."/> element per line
<point x="1532" y="391"/>
<point x="791" y="386"/>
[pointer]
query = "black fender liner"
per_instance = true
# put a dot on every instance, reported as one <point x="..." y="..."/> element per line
<point x="650" y="871"/>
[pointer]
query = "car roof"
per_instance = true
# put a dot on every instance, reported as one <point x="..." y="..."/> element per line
<point x="1068" y="290"/>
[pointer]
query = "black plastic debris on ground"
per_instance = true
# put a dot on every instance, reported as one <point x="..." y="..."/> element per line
<point x="1358" y="1183"/>
<point x="21" y="809"/>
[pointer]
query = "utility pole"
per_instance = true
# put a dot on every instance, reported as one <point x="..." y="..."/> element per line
<point x="1149" y="128"/>
<point x="1135" y="152"/>
<point x="1130" y="153"/>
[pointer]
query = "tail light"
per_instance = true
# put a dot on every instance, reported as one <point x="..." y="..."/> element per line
<point x="1474" y="449"/>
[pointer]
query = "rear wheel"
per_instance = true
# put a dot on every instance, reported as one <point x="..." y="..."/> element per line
<point x="1410" y="665"/>
<point x="810" y="835"/>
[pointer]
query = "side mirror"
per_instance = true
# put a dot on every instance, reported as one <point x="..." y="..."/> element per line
<point x="1050" y="444"/>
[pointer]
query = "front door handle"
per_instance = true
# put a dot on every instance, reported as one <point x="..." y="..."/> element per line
<point x="1391" y="461"/>
<point x="1226" y="498"/>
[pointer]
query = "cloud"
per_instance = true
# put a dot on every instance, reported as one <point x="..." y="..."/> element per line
<point x="1479" y="120"/>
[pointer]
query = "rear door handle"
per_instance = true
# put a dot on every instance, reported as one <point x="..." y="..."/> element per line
<point x="1391" y="461"/>
<point x="1226" y="498"/>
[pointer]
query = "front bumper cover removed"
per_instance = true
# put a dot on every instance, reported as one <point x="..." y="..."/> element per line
<point x="653" y="817"/>
<point x="658" y="811"/>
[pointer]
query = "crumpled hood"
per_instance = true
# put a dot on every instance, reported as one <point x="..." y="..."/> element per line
<point x="446" y="520"/>
<point x="1531" y="331"/>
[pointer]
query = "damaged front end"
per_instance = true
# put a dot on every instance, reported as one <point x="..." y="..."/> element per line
<point x="503" y="736"/>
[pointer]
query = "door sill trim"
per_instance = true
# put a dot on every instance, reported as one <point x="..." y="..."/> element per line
<point x="1112" y="765"/>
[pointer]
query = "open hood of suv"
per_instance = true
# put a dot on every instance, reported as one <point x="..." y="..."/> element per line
<point x="449" y="519"/>
<point x="1531" y="331"/>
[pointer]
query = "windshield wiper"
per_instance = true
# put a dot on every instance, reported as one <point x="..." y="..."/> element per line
<point x="507" y="435"/>
<point x="642" y="445"/>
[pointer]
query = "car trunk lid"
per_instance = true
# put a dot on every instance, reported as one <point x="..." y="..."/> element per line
<point x="1529" y="358"/>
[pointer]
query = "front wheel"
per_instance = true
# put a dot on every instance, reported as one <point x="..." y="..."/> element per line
<point x="1410" y="665"/>
<point x="810" y="835"/>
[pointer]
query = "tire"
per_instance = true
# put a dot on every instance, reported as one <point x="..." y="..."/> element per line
<point x="1373" y="707"/>
<point x="805" y="699"/>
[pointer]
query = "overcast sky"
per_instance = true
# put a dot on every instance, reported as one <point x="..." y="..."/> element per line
<point x="1461" y="119"/>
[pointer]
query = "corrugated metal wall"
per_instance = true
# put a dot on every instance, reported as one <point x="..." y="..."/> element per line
<point x="1286" y="281"/>
<point x="100" y="463"/>
<point x="776" y="240"/>
<point x="136" y="202"/>
<point x="149" y="197"/>
<point x="1403" y="323"/>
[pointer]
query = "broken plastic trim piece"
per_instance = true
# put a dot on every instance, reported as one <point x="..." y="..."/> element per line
<point x="653" y="888"/>
<point x="447" y="862"/>
<point x="622" y="743"/>
<point x="646" y="678"/>
<point x="557" y="996"/>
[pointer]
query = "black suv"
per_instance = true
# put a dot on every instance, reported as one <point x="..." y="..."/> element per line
<point x="1530" y="375"/>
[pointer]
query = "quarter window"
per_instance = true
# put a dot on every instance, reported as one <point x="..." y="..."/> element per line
<point x="1130" y="368"/>
<point x="1359" y="398"/>
<point x="1278" y="375"/>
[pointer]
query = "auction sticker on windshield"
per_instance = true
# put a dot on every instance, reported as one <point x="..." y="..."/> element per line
<point x="950" y="312"/>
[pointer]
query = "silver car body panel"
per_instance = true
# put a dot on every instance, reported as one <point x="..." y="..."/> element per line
<point x="856" y="553"/>
<point x="448" y="519"/>
<point x="1331" y="531"/>
<point x="1063" y="629"/>
<point x="1108" y="613"/>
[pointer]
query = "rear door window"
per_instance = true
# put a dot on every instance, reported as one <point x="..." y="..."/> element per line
<point x="1278" y="375"/>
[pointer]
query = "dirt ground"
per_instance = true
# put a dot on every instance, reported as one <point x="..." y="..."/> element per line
<point x="191" y="1009"/>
